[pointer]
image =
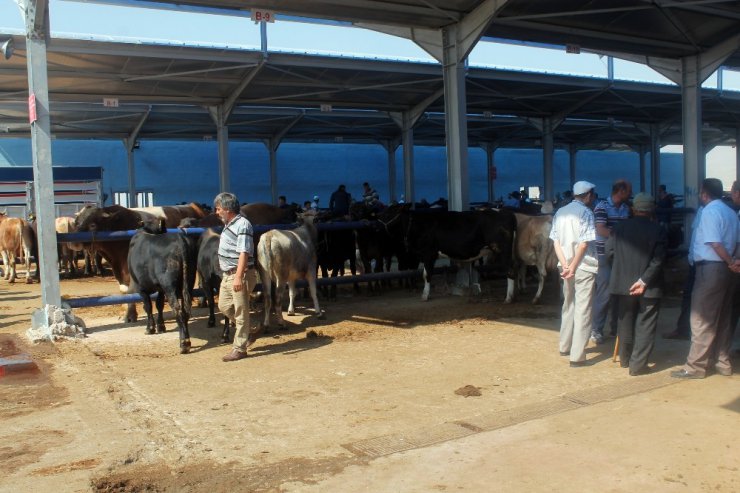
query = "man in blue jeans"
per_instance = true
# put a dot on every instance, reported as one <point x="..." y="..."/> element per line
<point x="607" y="213"/>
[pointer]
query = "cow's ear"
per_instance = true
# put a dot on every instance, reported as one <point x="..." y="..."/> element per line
<point x="106" y="215"/>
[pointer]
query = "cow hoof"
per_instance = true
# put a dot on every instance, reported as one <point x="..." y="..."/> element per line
<point x="321" y="316"/>
<point x="149" y="331"/>
<point x="536" y="301"/>
<point x="211" y="323"/>
<point x="185" y="347"/>
<point x="291" y="314"/>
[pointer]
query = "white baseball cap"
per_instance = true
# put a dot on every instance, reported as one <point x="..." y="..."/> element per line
<point x="316" y="197"/>
<point x="582" y="187"/>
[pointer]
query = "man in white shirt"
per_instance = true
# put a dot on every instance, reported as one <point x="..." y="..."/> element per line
<point x="715" y="243"/>
<point x="574" y="234"/>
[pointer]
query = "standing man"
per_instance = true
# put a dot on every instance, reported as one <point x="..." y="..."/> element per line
<point x="607" y="213"/>
<point x="236" y="259"/>
<point x="636" y="250"/>
<point x="339" y="202"/>
<point x="714" y="244"/>
<point x="573" y="234"/>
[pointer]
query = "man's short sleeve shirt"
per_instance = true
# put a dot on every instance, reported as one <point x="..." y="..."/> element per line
<point x="608" y="214"/>
<point x="236" y="237"/>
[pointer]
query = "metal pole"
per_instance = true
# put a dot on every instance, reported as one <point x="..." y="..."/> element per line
<point x="38" y="86"/>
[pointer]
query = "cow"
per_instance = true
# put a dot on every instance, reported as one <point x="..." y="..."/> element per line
<point x="333" y="248"/>
<point x="461" y="236"/>
<point x="164" y="264"/>
<point x="67" y="250"/>
<point x="173" y="214"/>
<point x="16" y="237"/>
<point x="117" y="218"/>
<point x="209" y="270"/>
<point x="533" y="247"/>
<point x="286" y="256"/>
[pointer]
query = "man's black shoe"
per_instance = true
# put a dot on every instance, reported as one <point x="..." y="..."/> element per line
<point x="576" y="364"/>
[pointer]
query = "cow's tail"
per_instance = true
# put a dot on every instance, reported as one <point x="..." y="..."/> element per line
<point x="264" y="265"/>
<point x="187" y="273"/>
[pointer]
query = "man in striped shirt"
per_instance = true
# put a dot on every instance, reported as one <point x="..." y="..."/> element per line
<point x="236" y="259"/>
<point x="607" y="213"/>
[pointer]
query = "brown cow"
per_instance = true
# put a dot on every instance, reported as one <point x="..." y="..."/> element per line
<point x="67" y="250"/>
<point x="173" y="214"/>
<point x="16" y="238"/>
<point x="118" y="218"/>
<point x="260" y="213"/>
<point x="533" y="247"/>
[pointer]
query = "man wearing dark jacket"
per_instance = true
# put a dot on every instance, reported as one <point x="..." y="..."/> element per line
<point x="636" y="250"/>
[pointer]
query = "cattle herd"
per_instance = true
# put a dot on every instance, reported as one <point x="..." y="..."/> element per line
<point x="166" y="263"/>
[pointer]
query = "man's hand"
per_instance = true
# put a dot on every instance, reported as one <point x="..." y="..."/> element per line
<point x="566" y="272"/>
<point x="638" y="288"/>
<point x="238" y="284"/>
<point x="735" y="266"/>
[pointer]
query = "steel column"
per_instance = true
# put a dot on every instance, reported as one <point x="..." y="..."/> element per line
<point x="38" y="87"/>
<point x="224" y="171"/>
<point x="456" y="125"/>
<point x="132" y="199"/>
<point x="693" y="150"/>
<point x="572" y="155"/>
<point x="548" y="155"/>
<point x="654" y="159"/>
<point x="407" y="130"/>
<point x="641" y="153"/>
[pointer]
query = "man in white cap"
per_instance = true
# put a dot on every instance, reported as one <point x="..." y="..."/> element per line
<point x="315" y="203"/>
<point x="573" y="234"/>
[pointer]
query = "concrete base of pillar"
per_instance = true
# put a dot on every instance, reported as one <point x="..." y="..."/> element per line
<point x="52" y="323"/>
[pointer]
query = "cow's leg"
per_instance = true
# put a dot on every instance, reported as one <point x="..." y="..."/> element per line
<point x="267" y="297"/>
<point x="333" y="288"/>
<point x="312" y="288"/>
<point x="6" y="262"/>
<point x="427" y="281"/>
<point x="324" y="274"/>
<point x="207" y="289"/>
<point x="291" y="296"/>
<point x="279" y="290"/>
<point x="160" y="316"/>
<point x="27" y="262"/>
<point x="148" y="309"/>
<point x="225" y="336"/>
<point x="541" y="285"/>
<point x="178" y="308"/>
<point x="353" y="270"/>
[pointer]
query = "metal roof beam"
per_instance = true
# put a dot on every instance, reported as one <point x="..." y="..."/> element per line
<point x="231" y="100"/>
<point x="130" y="141"/>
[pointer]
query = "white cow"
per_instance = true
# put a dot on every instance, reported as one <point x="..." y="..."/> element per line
<point x="284" y="256"/>
<point x="533" y="246"/>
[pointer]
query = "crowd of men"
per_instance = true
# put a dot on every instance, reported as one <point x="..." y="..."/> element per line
<point x="611" y="255"/>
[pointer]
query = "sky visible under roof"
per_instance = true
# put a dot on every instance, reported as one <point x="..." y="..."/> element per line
<point x="75" y="19"/>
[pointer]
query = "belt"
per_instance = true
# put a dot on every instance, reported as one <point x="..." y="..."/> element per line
<point x="231" y="272"/>
<point x="705" y="262"/>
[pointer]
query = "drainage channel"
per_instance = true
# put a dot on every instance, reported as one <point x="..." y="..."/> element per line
<point x="424" y="437"/>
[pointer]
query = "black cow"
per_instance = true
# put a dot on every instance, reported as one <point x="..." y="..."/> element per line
<point x="460" y="236"/>
<point x="334" y="247"/>
<point x="164" y="264"/>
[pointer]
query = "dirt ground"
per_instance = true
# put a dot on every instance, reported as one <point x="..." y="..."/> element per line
<point x="388" y="393"/>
